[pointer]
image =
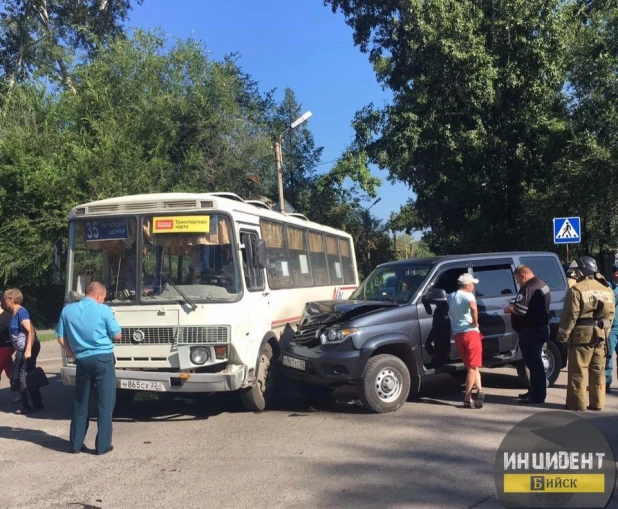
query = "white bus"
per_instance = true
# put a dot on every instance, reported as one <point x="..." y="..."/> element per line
<point x="203" y="286"/>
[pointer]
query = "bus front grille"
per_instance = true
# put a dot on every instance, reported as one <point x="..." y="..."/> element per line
<point x="206" y="334"/>
<point x="214" y="334"/>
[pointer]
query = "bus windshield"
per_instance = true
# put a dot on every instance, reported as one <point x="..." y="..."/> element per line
<point x="395" y="283"/>
<point x="190" y="255"/>
<point x="195" y="253"/>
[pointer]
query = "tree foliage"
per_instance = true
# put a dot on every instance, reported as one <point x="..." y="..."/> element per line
<point x="500" y="110"/>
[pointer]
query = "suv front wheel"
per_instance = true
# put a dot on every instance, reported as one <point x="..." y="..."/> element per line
<point x="385" y="384"/>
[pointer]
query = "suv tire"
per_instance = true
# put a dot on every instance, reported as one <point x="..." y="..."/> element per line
<point x="554" y="360"/>
<point x="257" y="397"/>
<point x="385" y="384"/>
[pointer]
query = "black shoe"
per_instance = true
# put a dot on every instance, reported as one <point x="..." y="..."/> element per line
<point x="83" y="449"/>
<point x="531" y="401"/>
<point x="607" y="389"/>
<point x="525" y="395"/>
<point x="109" y="450"/>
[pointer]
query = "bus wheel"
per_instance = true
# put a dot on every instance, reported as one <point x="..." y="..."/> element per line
<point x="257" y="397"/>
<point x="385" y="384"/>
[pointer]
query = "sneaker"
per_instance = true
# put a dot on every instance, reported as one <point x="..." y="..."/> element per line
<point x="478" y="401"/>
<point x="468" y="404"/>
<point x="524" y="395"/>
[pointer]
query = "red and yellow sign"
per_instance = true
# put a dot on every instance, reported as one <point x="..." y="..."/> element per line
<point x="181" y="224"/>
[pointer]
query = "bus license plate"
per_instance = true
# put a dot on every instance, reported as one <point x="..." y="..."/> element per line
<point x="291" y="362"/>
<point x="140" y="385"/>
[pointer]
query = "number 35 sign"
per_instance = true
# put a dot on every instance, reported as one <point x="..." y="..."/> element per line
<point x="107" y="229"/>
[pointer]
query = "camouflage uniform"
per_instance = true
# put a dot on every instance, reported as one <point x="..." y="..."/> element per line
<point x="587" y="317"/>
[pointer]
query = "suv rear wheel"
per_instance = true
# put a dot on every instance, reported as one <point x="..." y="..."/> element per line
<point x="385" y="384"/>
<point x="552" y="361"/>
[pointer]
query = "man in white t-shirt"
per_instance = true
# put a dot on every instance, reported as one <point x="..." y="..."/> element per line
<point x="465" y="328"/>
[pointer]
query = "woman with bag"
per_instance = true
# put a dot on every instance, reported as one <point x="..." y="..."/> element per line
<point x="27" y="348"/>
<point x="6" y="346"/>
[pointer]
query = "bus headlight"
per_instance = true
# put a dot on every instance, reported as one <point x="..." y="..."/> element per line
<point x="334" y="336"/>
<point x="199" y="355"/>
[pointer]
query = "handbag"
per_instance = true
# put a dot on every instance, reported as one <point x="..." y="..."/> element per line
<point x="35" y="378"/>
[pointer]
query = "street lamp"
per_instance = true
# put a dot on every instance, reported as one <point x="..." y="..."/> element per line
<point x="279" y="155"/>
<point x="367" y="235"/>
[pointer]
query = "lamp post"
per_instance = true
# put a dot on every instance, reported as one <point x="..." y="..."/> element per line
<point x="367" y="235"/>
<point x="411" y="242"/>
<point x="279" y="156"/>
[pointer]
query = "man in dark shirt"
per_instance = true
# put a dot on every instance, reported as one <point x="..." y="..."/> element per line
<point x="530" y="319"/>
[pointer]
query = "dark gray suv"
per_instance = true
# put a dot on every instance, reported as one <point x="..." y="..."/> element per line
<point x="388" y="336"/>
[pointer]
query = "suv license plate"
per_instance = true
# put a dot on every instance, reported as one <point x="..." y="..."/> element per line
<point x="291" y="362"/>
<point x="140" y="385"/>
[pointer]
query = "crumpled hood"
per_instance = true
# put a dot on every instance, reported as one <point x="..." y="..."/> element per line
<point x="323" y="312"/>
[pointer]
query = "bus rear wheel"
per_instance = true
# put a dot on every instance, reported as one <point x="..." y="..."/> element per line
<point x="257" y="397"/>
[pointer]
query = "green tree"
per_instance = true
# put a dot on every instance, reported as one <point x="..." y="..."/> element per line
<point x="42" y="39"/>
<point x="478" y="118"/>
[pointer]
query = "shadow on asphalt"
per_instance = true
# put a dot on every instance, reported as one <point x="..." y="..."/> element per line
<point x="439" y="390"/>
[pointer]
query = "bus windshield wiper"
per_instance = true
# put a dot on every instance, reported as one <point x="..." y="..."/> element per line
<point x="182" y="294"/>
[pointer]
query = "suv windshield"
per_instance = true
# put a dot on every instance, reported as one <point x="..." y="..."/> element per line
<point x="397" y="284"/>
<point x="195" y="253"/>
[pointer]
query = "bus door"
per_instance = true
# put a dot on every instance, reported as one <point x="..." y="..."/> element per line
<point x="256" y="297"/>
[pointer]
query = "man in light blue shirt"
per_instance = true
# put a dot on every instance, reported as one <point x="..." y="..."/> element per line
<point x="464" y="315"/>
<point x="612" y="340"/>
<point x="85" y="331"/>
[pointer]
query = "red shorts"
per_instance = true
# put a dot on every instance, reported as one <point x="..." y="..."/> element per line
<point x="470" y="347"/>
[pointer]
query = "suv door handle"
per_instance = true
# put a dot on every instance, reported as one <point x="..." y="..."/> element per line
<point x="265" y="294"/>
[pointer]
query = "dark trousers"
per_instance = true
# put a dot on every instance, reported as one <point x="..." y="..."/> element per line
<point x="531" y="344"/>
<point x="31" y="398"/>
<point x="95" y="374"/>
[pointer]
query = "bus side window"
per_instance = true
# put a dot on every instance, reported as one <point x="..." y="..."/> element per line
<point x="254" y="276"/>
<point x="317" y="256"/>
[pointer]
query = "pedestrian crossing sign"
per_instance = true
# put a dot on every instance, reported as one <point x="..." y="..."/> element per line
<point x="567" y="230"/>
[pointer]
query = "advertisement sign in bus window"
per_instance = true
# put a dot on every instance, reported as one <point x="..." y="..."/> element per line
<point x="181" y="224"/>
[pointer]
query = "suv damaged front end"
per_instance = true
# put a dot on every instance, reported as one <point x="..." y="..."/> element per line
<point x="327" y="348"/>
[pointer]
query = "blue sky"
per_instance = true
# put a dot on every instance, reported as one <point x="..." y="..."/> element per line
<point x="287" y="43"/>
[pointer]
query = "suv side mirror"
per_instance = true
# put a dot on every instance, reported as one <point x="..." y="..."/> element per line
<point x="262" y="254"/>
<point x="435" y="296"/>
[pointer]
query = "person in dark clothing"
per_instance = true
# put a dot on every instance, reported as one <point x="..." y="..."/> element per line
<point x="6" y="346"/>
<point x="530" y="319"/>
<point x="27" y="348"/>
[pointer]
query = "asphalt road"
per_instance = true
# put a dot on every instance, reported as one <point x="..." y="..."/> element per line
<point x="208" y="452"/>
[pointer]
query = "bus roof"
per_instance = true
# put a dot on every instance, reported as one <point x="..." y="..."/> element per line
<point x="173" y="203"/>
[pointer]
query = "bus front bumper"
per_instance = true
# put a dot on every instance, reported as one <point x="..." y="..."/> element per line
<point x="161" y="381"/>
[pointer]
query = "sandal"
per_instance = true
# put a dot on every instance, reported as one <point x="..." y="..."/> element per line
<point x="468" y="404"/>
<point x="478" y="401"/>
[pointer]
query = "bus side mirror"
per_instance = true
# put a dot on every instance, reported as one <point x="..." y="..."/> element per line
<point x="262" y="258"/>
<point x="435" y="296"/>
<point x="57" y="268"/>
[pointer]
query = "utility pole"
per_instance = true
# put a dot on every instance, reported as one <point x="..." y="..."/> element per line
<point x="279" y="156"/>
<point x="367" y="223"/>
<point x="279" y="164"/>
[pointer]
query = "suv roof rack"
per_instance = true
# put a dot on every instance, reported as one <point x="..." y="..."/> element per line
<point x="258" y="203"/>
<point x="298" y="215"/>
<point x="229" y="196"/>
